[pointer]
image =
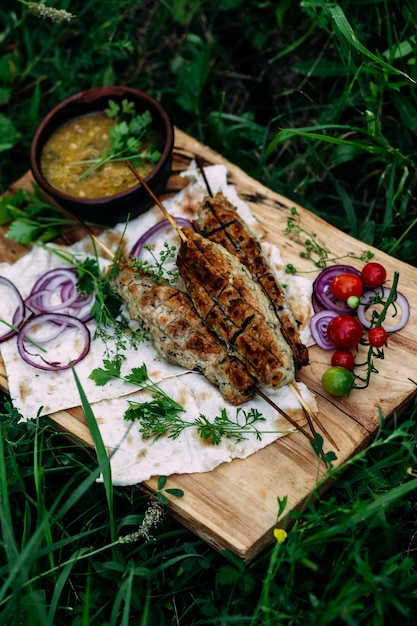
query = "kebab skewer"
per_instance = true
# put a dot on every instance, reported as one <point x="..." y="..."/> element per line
<point x="219" y="221"/>
<point x="273" y="370"/>
<point x="183" y="338"/>
<point x="236" y="308"/>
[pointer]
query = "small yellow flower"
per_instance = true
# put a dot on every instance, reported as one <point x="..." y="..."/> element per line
<point x="280" y="535"/>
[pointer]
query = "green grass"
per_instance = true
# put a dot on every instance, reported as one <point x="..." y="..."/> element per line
<point x="318" y="101"/>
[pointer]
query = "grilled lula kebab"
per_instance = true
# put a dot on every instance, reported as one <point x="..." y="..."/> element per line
<point x="179" y="334"/>
<point x="235" y="307"/>
<point x="219" y="221"/>
<point x="183" y="338"/>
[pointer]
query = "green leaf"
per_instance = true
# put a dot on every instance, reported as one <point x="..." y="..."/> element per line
<point x="162" y="498"/>
<point x="178" y="493"/>
<point x="102" y="456"/>
<point x="343" y="26"/>
<point x="8" y="133"/>
<point x="23" y="231"/>
<point x="101" y="376"/>
<point x="227" y="575"/>
<point x="112" y="109"/>
<point x="162" y="481"/>
<point x="138" y="375"/>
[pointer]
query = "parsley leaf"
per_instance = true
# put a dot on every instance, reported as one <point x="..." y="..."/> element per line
<point x="31" y="218"/>
<point x="127" y="137"/>
<point x="101" y="376"/>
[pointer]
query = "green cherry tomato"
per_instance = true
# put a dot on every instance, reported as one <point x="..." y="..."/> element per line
<point x="377" y="337"/>
<point x="346" y="285"/>
<point x="373" y="275"/>
<point x="344" y="358"/>
<point x="344" y="331"/>
<point x="337" y="381"/>
<point x="353" y="302"/>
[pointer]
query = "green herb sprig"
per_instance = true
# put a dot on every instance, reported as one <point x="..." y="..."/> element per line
<point x="156" y="266"/>
<point x="162" y="406"/>
<point x="313" y="250"/>
<point x="161" y="425"/>
<point x="31" y="218"/>
<point x="377" y="319"/>
<point x="161" y="416"/>
<point x="107" y="310"/>
<point x="127" y="136"/>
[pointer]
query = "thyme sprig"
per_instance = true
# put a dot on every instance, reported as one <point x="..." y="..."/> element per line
<point x="377" y="319"/>
<point x="156" y="266"/>
<point x="313" y="250"/>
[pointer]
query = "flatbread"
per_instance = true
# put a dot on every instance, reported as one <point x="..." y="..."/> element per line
<point x="134" y="459"/>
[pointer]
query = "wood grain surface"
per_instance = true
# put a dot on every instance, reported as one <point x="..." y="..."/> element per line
<point x="235" y="505"/>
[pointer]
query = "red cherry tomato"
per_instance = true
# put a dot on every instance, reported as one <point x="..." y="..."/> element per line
<point x="343" y="358"/>
<point x="377" y="337"/>
<point x="344" y="331"/>
<point x="373" y="275"/>
<point x="346" y="285"/>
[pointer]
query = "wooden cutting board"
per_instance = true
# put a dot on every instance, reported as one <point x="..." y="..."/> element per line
<point x="235" y="505"/>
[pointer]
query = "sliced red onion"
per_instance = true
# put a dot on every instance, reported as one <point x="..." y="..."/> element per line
<point x="19" y="312"/>
<point x="56" y="291"/>
<point x="54" y="330"/>
<point x="323" y="296"/>
<point x="401" y="302"/>
<point x="318" y="326"/>
<point x="155" y="230"/>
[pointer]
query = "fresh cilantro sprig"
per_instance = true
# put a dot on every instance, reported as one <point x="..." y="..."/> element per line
<point x="313" y="250"/>
<point x="162" y="417"/>
<point x="162" y="406"/>
<point x="31" y="218"/>
<point x="107" y="310"/>
<point x="127" y="136"/>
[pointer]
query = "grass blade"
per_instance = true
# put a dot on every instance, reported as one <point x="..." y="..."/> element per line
<point x="102" y="456"/>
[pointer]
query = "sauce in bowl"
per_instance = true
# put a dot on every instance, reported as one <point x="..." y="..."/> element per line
<point x="82" y="139"/>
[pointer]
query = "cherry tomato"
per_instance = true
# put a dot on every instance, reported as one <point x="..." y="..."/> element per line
<point x="346" y="285"/>
<point x="377" y="336"/>
<point x="344" y="331"/>
<point x="344" y="358"/>
<point x="353" y="302"/>
<point x="373" y="275"/>
<point x="337" y="381"/>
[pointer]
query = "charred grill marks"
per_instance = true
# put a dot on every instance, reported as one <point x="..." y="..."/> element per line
<point x="218" y="221"/>
<point x="235" y="307"/>
<point x="180" y="335"/>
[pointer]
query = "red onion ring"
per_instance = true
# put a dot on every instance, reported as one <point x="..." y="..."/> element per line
<point x="155" y="230"/>
<point x="33" y="356"/>
<point x="323" y="296"/>
<point x="400" y="301"/>
<point x="61" y="282"/>
<point x="318" y="326"/>
<point x="19" y="313"/>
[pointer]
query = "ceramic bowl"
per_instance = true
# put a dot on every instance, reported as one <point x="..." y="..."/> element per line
<point x="121" y="206"/>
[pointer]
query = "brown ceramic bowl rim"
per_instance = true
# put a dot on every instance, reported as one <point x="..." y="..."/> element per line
<point x="89" y="96"/>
